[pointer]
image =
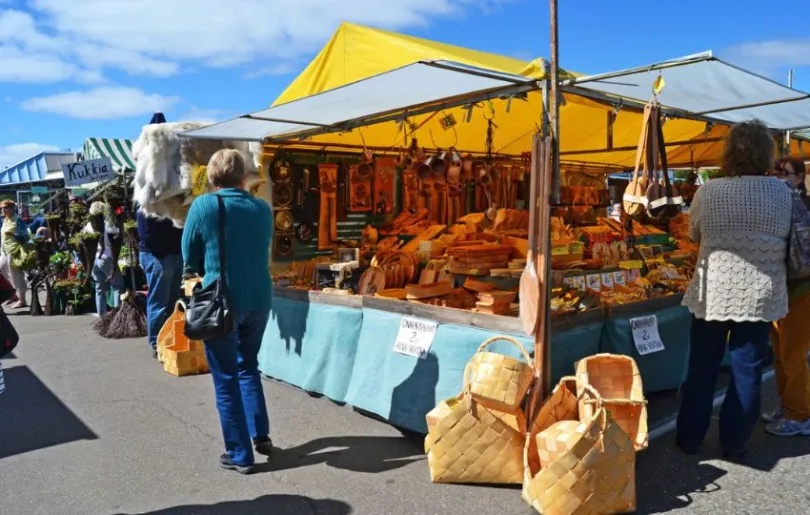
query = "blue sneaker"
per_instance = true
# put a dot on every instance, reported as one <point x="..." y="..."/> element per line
<point x="787" y="427"/>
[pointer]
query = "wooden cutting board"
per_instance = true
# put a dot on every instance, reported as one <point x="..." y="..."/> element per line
<point x="430" y="233"/>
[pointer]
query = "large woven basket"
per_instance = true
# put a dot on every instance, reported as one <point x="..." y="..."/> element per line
<point x="595" y="475"/>
<point x="618" y="381"/>
<point x="499" y="381"/>
<point x="470" y="443"/>
<point x="478" y="436"/>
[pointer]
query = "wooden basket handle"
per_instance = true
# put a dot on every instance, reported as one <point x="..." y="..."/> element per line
<point x="509" y="339"/>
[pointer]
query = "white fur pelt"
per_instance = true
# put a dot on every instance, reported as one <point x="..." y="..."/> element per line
<point x="165" y="163"/>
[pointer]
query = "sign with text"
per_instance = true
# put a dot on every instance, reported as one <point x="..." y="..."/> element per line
<point x="645" y="334"/>
<point x="82" y="172"/>
<point x="415" y="336"/>
<point x="39" y="189"/>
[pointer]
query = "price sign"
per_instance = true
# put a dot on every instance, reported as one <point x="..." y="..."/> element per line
<point x="619" y="278"/>
<point x="645" y="335"/>
<point x="415" y="337"/>
<point x="607" y="280"/>
<point x="594" y="282"/>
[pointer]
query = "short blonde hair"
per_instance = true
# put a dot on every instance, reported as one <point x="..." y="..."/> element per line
<point x="226" y="169"/>
<point x="749" y="150"/>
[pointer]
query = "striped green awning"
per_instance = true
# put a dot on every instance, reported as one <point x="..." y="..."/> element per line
<point x="118" y="150"/>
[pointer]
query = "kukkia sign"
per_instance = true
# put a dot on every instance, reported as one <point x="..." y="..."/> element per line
<point x="82" y="172"/>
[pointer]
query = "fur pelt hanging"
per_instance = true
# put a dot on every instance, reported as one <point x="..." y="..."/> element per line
<point x="165" y="162"/>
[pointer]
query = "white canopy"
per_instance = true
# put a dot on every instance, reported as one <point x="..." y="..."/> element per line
<point x="389" y="96"/>
<point x="703" y="87"/>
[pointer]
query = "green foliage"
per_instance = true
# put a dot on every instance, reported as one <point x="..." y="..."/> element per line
<point x="78" y="211"/>
<point x="61" y="261"/>
<point x="131" y="224"/>
<point x="67" y="286"/>
<point x="81" y="238"/>
<point x="26" y="261"/>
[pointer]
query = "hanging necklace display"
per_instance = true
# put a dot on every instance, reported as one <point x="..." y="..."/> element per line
<point x="283" y="245"/>
<point x="280" y="170"/>
<point x="284" y="220"/>
<point x="384" y="175"/>
<point x="282" y="194"/>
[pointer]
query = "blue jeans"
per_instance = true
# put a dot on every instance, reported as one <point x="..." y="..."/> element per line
<point x="106" y="274"/>
<point x="164" y="278"/>
<point x="748" y="343"/>
<point x="234" y="364"/>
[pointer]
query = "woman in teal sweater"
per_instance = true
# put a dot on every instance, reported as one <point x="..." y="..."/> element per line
<point x="233" y="359"/>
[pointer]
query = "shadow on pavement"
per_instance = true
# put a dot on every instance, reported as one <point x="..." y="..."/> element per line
<point x="368" y="454"/>
<point x="766" y="451"/>
<point x="264" y="505"/>
<point x="661" y="491"/>
<point x="33" y="417"/>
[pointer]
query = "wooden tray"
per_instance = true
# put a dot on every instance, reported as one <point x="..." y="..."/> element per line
<point x="426" y="291"/>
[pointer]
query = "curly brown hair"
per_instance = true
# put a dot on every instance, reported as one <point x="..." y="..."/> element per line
<point x="749" y="150"/>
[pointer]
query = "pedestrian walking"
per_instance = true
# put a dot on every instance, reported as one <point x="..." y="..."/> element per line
<point x="14" y="235"/>
<point x="791" y="338"/>
<point x="233" y="358"/>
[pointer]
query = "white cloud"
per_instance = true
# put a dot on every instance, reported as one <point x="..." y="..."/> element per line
<point x="157" y="36"/>
<point x="195" y="114"/>
<point x="272" y="71"/>
<point x="770" y="56"/>
<point x="13" y="154"/>
<point x="36" y="67"/>
<point x="101" y="103"/>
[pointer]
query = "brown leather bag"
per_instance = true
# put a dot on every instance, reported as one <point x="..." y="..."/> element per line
<point x="664" y="199"/>
<point x="635" y="200"/>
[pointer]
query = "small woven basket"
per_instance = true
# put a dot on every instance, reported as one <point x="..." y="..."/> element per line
<point x="618" y="381"/>
<point x="498" y="381"/>
<point x="595" y="474"/>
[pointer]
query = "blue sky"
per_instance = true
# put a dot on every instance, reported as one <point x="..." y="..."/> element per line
<point x="71" y="69"/>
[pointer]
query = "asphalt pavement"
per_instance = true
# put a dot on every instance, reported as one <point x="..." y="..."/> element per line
<point x="93" y="426"/>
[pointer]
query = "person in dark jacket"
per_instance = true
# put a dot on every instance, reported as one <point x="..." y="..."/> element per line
<point x="162" y="262"/>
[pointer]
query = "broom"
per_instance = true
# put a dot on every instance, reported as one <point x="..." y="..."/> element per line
<point x="128" y="320"/>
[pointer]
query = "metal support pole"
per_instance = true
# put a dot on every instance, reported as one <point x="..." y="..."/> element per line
<point x="787" y="133"/>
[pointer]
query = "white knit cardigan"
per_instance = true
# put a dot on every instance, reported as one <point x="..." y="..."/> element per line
<point x="742" y="225"/>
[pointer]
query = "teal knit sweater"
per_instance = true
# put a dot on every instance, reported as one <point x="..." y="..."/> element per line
<point x="248" y="232"/>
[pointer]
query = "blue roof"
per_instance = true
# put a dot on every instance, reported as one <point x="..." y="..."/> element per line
<point x="36" y="168"/>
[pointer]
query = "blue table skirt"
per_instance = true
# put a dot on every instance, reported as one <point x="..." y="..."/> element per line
<point x="346" y="354"/>
<point x="311" y="346"/>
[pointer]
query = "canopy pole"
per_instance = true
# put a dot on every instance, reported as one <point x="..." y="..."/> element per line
<point x="551" y="128"/>
<point x="787" y="133"/>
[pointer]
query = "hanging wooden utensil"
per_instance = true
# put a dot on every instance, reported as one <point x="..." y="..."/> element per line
<point x="531" y="282"/>
<point x="384" y="175"/>
<point x="410" y="190"/>
<point x="327" y="221"/>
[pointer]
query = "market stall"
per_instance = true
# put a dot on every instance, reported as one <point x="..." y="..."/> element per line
<point x="426" y="168"/>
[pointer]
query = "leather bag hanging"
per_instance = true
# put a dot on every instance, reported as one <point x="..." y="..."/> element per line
<point x="663" y="198"/>
<point x="635" y="195"/>
<point x="208" y="315"/>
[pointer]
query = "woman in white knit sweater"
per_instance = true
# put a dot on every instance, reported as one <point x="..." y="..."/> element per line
<point x="742" y="222"/>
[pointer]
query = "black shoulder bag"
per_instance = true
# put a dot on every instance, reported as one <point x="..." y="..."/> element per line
<point x="207" y="314"/>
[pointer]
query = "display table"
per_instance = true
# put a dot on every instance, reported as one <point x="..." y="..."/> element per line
<point x="342" y="347"/>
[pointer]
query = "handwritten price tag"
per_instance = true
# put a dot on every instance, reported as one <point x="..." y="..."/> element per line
<point x="415" y="337"/>
<point x="645" y="334"/>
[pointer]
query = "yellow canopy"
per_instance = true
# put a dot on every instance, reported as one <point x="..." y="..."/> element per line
<point x="355" y="52"/>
